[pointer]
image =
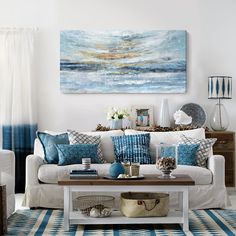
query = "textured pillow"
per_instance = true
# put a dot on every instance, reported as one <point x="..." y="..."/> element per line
<point x="134" y="148"/>
<point x="79" y="138"/>
<point x="187" y="154"/>
<point x="48" y="142"/>
<point x="205" y="146"/>
<point x="73" y="154"/>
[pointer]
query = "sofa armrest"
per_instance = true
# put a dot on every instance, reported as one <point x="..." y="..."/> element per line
<point x="33" y="162"/>
<point x="216" y="163"/>
<point x="7" y="170"/>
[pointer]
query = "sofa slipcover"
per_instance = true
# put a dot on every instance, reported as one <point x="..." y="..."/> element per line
<point x="209" y="191"/>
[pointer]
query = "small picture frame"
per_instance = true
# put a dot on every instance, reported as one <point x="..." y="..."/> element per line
<point x="142" y="116"/>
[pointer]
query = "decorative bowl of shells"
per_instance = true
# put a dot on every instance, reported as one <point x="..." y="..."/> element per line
<point x="166" y="160"/>
<point x="96" y="206"/>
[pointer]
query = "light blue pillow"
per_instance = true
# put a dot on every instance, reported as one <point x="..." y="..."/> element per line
<point x="48" y="142"/>
<point x="73" y="154"/>
<point x="187" y="154"/>
<point x="134" y="148"/>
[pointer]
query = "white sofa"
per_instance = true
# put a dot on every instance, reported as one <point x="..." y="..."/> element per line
<point x="7" y="177"/>
<point x="209" y="190"/>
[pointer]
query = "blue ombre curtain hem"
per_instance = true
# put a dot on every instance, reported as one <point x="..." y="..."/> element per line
<point x="20" y="139"/>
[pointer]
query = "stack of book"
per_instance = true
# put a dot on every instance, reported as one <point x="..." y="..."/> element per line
<point x="84" y="174"/>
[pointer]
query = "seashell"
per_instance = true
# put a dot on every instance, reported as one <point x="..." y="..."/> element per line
<point x="122" y="176"/>
<point x="106" y="212"/>
<point x="181" y="118"/>
<point x="94" y="212"/>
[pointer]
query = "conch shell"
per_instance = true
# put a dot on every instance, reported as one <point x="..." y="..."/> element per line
<point x="181" y="118"/>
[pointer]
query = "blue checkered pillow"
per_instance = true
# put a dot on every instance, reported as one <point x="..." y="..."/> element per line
<point x="134" y="148"/>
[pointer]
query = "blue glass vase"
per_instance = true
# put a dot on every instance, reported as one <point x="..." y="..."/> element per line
<point x="116" y="169"/>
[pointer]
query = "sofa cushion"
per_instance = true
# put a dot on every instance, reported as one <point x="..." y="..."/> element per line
<point x="187" y="154"/>
<point x="48" y="142"/>
<point x="205" y="146"/>
<point x="172" y="137"/>
<point x="133" y="148"/>
<point x="79" y="138"/>
<point x="73" y="153"/>
<point x="106" y="142"/>
<point x="51" y="173"/>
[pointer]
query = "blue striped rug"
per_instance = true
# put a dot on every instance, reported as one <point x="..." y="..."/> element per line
<point x="50" y="222"/>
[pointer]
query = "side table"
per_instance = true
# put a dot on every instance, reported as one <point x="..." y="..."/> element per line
<point x="3" y="210"/>
<point x="225" y="145"/>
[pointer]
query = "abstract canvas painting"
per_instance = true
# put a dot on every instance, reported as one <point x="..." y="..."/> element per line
<point x="115" y="61"/>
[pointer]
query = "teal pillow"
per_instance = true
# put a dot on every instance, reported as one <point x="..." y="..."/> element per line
<point x="134" y="148"/>
<point x="48" y="142"/>
<point x="73" y="154"/>
<point x="187" y="154"/>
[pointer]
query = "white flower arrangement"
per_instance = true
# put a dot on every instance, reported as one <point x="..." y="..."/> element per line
<point x="115" y="114"/>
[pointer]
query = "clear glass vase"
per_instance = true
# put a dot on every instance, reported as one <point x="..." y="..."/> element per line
<point x="116" y="123"/>
<point x="166" y="158"/>
<point x="219" y="120"/>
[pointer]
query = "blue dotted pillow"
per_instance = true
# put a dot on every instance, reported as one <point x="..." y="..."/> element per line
<point x="134" y="148"/>
<point x="48" y="142"/>
<point x="73" y="154"/>
<point x="187" y="154"/>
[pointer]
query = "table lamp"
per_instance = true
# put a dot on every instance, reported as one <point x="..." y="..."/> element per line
<point x="219" y="87"/>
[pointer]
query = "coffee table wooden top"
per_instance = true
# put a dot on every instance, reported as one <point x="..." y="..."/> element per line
<point x="148" y="180"/>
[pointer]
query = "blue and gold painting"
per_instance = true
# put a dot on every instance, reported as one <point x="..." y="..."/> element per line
<point x="115" y="61"/>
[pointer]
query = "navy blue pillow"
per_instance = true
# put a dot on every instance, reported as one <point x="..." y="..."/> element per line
<point x="134" y="148"/>
<point x="73" y="154"/>
<point x="187" y="154"/>
<point x="48" y="142"/>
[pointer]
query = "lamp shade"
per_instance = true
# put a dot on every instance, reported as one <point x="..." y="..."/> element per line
<point x="219" y="87"/>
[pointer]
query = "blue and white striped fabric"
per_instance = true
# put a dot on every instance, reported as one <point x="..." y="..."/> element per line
<point x="20" y="139"/>
<point x="134" y="148"/>
<point x="50" y="222"/>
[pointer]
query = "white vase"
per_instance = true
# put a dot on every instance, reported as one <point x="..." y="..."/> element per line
<point x="116" y="124"/>
<point x="164" y="120"/>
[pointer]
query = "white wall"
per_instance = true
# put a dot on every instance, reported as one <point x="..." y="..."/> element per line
<point x="211" y="50"/>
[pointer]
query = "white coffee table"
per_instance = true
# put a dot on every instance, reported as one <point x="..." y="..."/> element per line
<point x="149" y="184"/>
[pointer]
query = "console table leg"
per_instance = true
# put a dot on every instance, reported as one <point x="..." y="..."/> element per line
<point x="185" y="211"/>
<point x="66" y="207"/>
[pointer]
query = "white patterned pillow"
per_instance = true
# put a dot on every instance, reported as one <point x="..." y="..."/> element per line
<point x="203" y="150"/>
<point x="79" y="138"/>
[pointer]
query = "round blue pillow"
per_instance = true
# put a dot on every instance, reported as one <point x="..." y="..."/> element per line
<point x="116" y="169"/>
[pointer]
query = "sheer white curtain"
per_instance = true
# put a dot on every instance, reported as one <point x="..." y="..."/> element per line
<point x="17" y="109"/>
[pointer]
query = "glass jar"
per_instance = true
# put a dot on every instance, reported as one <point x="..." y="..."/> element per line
<point x="166" y="159"/>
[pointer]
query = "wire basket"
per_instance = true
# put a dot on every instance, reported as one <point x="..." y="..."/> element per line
<point x="96" y="205"/>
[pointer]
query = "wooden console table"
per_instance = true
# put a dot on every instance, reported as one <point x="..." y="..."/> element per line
<point x="225" y="145"/>
<point x="148" y="184"/>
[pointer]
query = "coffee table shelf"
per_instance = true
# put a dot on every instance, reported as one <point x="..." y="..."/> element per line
<point x="174" y="217"/>
<point x="148" y="184"/>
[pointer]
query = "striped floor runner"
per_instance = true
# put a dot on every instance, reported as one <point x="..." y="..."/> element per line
<point x="50" y="222"/>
